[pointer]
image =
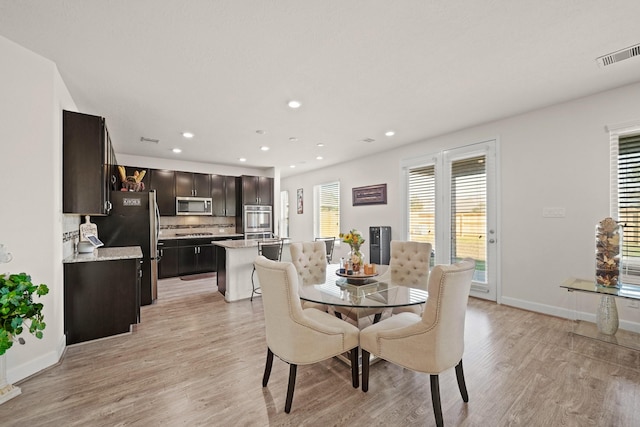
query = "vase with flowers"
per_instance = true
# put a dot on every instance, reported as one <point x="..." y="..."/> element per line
<point x="355" y="256"/>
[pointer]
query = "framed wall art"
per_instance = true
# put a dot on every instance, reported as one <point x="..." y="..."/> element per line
<point x="370" y="195"/>
<point x="299" y="201"/>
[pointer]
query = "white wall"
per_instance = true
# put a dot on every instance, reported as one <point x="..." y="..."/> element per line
<point x="554" y="157"/>
<point x="31" y="220"/>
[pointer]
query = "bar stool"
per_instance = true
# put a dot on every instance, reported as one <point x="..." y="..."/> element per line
<point x="270" y="250"/>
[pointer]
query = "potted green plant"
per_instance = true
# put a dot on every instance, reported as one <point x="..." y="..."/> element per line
<point x="18" y="309"/>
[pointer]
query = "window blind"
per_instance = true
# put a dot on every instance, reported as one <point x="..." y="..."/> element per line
<point x="422" y="197"/>
<point x="628" y="198"/>
<point x="469" y="209"/>
<point x="329" y="210"/>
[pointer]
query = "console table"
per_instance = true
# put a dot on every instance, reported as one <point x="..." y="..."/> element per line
<point x="606" y="327"/>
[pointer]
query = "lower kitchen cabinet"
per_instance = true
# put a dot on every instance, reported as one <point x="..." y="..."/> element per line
<point x="198" y="257"/>
<point x="101" y="298"/>
<point x="169" y="257"/>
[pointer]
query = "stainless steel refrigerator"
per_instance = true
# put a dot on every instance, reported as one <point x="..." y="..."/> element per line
<point x="135" y="221"/>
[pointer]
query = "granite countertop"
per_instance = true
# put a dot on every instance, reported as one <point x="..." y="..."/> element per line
<point x="240" y="244"/>
<point x="106" y="254"/>
<point x="193" y="236"/>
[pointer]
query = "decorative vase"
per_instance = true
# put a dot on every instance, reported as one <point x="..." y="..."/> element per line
<point x="608" y="249"/>
<point x="356" y="259"/>
<point x="607" y="315"/>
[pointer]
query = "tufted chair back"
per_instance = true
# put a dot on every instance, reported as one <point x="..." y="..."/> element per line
<point x="310" y="261"/>
<point x="409" y="263"/>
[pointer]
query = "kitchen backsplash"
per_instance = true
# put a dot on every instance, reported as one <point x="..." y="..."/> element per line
<point x="170" y="225"/>
<point x="70" y="233"/>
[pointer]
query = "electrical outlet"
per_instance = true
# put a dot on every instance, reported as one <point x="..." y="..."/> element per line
<point x="634" y="304"/>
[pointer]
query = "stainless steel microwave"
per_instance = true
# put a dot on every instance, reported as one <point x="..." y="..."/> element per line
<point x="194" y="206"/>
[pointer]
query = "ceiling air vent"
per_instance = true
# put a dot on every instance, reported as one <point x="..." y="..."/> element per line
<point x="618" y="56"/>
<point x="368" y="140"/>
<point x="150" y="140"/>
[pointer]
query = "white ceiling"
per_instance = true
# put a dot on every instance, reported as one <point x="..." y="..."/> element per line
<point x="224" y="69"/>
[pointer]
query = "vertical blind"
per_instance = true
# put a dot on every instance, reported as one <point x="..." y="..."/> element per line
<point x="422" y="206"/>
<point x="469" y="210"/>
<point x="628" y="177"/>
<point x="329" y="210"/>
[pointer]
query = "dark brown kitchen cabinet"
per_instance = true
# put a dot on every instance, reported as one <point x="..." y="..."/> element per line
<point x="223" y="193"/>
<point x="195" y="256"/>
<point x="164" y="183"/>
<point x="190" y="184"/>
<point x="88" y="165"/>
<point x="257" y="190"/>
<point x="101" y="298"/>
<point x="168" y="263"/>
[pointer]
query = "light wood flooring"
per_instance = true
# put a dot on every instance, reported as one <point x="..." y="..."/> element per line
<point x="198" y="361"/>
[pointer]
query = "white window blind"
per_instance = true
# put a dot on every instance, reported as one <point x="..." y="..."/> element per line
<point x="328" y="210"/>
<point x="628" y="203"/>
<point x="422" y="205"/>
<point x="469" y="210"/>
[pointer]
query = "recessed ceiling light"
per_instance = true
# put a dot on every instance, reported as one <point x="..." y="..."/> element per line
<point x="242" y="159"/>
<point x="293" y="139"/>
<point x="264" y="148"/>
<point x="319" y="158"/>
<point x="389" y="133"/>
<point x="177" y="150"/>
<point x="292" y="166"/>
<point x="261" y="132"/>
<point x="294" y="104"/>
<point x="320" y="144"/>
<point x="187" y="134"/>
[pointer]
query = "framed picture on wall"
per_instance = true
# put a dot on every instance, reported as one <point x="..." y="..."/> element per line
<point x="299" y="201"/>
<point x="370" y="195"/>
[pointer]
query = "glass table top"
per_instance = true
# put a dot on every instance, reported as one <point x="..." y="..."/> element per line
<point x="582" y="285"/>
<point x="376" y="292"/>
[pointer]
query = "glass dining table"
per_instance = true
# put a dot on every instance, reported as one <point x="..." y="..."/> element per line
<point x="363" y="295"/>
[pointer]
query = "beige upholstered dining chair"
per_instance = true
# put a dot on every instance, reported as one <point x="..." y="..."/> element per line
<point x="431" y="343"/>
<point x="299" y="336"/>
<point x="409" y="266"/>
<point x="310" y="261"/>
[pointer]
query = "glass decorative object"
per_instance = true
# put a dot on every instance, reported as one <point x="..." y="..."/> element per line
<point x="356" y="259"/>
<point x="608" y="252"/>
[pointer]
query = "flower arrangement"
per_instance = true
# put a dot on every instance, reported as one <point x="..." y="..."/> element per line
<point x="354" y="239"/>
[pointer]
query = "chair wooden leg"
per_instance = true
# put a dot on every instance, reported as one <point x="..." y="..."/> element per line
<point x="377" y="317"/>
<point x="435" y="399"/>
<point x="365" y="370"/>
<point x="292" y="383"/>
<point x="461" y="384"/>
<point x="354" y="367"/>
<point x="338" y="315"/>
<point x="267" y="368"/>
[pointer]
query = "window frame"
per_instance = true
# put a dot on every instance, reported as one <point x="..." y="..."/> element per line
<point x="318" y="205"/>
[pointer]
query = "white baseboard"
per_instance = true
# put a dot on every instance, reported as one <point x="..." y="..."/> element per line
<point x="564" y="312"/>
<point x="20" y="372"/>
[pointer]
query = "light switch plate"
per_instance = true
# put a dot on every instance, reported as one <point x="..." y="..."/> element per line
<point x="549" y="212"/>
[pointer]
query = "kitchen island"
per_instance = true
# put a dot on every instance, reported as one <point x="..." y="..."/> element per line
<point x="234" y="264"/>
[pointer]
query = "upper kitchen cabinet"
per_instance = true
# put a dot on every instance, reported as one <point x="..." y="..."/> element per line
<point x="88" y="164"/>
<point x="223" y="193"/>
<point x="190" y="184"/>
<point x="164" y="182"/>
<point x="257" y="190"/>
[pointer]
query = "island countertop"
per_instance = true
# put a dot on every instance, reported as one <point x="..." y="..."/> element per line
<point x="243" y="243"/>
<point x="106" y="254"/>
